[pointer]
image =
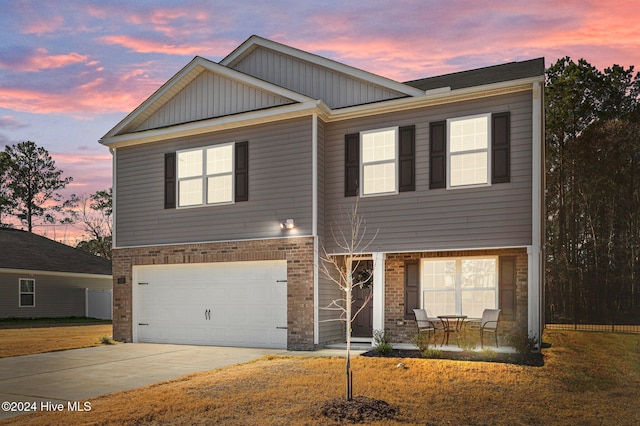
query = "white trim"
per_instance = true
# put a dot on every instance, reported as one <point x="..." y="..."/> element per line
<point x="282" y="237"/>
<point x="396" y="161"/>
<point x="114" y="173"/>
<point x="314" y="106"/>
<point x="314" y="227"/>
<point x="33" y="272"/>
<point x="534" y="292"/>
<point x="195" y="128"/>
<point x="535" y="275"/>
<point x="186" y="75"/>
<point x="445" y="250"/>
<point x="314" y="176"/>
<point x="204" y="176"/>
<point x="20" y="293"/>
<point x="378" y="299"/>
<point x="487" y="116"/>
<point x="254" y="41"/>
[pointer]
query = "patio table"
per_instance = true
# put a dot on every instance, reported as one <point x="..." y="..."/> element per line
<point x="452" y="324"/>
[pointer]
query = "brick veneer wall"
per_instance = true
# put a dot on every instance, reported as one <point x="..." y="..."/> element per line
<point x="298" y="252"/>
<point x="402" y="330"/>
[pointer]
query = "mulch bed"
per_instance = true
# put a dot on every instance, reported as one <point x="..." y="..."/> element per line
<point x="532" y="359"/>
<point x="360" y="409"/>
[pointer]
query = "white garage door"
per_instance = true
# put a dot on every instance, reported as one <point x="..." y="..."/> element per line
<point x="227" y="304"/>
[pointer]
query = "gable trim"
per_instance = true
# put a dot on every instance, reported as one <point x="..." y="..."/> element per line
<point x="185" y="76"/>
<point x="112" y="139"/>
<point x="255" y="41"/>
<point x="215" y="124"/>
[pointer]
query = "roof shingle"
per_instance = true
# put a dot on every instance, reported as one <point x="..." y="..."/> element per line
<point x="24" y="250"/>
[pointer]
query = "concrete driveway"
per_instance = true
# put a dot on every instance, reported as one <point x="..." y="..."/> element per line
<point x="78" y="375"/>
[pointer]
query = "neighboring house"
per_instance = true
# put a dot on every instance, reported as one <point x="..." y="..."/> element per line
<point x="228" y="179"/>
<point x="43" y="278"/>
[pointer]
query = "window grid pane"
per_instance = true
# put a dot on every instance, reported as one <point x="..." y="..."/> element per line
<point x="220" y="160"/>
<point x="441" y="302"/>
<point x="469" y="169"/>
<point x="219" y="189"/>
<point x="379" y="146"/>
<point x="379" y="178"/>
<point x="469" y="134"/>
<point x="190" y="191"/>
<point x="189" y="164"/>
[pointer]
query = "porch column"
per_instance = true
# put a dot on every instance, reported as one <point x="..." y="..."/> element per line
<point x="534" y="293"/>
<point x="378" y="291"/>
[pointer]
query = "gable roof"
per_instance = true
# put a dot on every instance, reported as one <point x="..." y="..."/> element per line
<point x="481" y="76"/>
<point x="255" y="42"/>
<point x="24" y="250"/>
<point x="135" y="121"/>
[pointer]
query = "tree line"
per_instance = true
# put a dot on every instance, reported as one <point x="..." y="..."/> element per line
<point x="593" y="193"/>
<point x="30" y="185"/>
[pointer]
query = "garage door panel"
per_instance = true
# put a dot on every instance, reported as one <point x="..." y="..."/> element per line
<point x="245" y="304"/>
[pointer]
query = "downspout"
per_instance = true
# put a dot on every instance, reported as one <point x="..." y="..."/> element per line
<point x="314" y="226"/>
<point x="535" y="257"/>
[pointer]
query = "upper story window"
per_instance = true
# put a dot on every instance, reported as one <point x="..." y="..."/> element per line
<point x="27" y="292"/>
<point x="205" y="176"/>
<point x="468" y="151"/>
<point x="379" y="161"/>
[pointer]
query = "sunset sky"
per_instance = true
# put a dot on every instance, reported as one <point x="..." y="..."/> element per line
<point x="71" y="70"/>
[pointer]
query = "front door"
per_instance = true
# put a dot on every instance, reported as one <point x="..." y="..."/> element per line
<point x="362" y="325"/>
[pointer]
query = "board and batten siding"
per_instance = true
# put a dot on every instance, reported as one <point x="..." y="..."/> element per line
<point x="439" y="219"/>
<point x="279" y="188"/>
<point x="208" y="96"/>
<point x="336" y="89"/>
<point x="56" y="295"/>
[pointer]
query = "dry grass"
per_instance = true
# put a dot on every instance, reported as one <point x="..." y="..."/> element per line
<point x="49" y="338"/>
<point x="587" y="379"/>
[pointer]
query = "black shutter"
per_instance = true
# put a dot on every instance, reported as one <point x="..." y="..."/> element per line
<point x="411" y="288"/>
<point x="351" y="164"/>
<point x="407" y="172"/>
<point x="500" y="148"/>
<point x="242" y="171"/>
<point x="507" y="288"/>
<point x="438" y="155"/>
<point x="170" y="180"/>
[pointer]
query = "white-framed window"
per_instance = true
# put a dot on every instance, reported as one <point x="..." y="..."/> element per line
<point x="27" y="292"/>
<point x="379" y="161"/>
<point x="205" y="176"/>
<point x="468" y="150"/>
<point x="460" y="286"/>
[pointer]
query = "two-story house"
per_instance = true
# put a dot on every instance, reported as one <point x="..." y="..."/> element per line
<point x="230" y="178"/>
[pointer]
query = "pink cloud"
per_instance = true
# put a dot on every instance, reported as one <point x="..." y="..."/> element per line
<point x="90" y="98"/>
<point x="40" y="59"/>
<point x="151" y="46"/>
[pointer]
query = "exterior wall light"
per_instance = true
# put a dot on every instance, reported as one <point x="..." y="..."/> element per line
<point x="288" y="224"/>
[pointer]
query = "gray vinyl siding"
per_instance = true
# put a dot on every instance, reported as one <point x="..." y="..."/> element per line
<point x="55" y="295"/>
<point x="208" y="96"/>
<point x="279" y="188"/>
<point x="329" y="331"/>
<point x="439" y="219"/>
<point x="337" y="90"/>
